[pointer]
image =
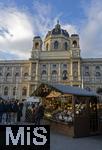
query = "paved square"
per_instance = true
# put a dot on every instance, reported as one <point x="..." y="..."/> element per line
<point x="61" y="142"/>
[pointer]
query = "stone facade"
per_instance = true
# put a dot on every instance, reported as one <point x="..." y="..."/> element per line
<point x="56" y="60"/>
<point x="92" y="73"/>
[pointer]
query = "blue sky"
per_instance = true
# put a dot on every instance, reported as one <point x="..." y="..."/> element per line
<point x="20" y="20"/>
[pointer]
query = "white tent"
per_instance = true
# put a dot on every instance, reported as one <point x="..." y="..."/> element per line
<point x="34" y="99"/>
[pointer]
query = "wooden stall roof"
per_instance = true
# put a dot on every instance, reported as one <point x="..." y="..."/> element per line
<point x="45" y="89"/>
<point x="74" y="90"/>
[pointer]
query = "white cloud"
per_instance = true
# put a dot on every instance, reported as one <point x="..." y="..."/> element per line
<point x="72" y="29"/>
<point x="16" y="32"/>
<point x="90" y="36"/>
<point x="17" y="28"/>
<point x="45" y="22"/>
<point x="43" y="19"/>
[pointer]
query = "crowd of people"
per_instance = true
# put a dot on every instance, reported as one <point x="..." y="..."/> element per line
<point x="35" y="113"/>
<point x="14" y="111"/>
<point x="10" y="111"/>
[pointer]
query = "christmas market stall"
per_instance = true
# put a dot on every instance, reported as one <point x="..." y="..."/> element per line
<point x="70" y="110"/>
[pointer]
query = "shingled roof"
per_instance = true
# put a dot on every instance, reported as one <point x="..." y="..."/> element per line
<point x="65" y="89"/>
<point x="73" y="90"/>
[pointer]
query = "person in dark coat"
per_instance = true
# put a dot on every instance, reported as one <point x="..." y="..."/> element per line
<point x="33" y="113"/>
<point x="19" y="114"/>
<point x="8" y="112"/>
<point x="1" y="110"/>
<point x="14" y="112"/>
<point x="21" y="108"/>
<point x="4" y="113"/>
<point x="39" y="114"/>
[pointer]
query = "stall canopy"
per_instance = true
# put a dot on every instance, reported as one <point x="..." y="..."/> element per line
<point x="33" y="99"/>
<point x="45" y="89"/>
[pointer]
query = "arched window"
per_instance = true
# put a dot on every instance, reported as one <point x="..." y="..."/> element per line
<point x="86" y="67"/>
<point x="25" y="75"/>
<point x="8" y="68"/>
<point x="36" y="45"/>
<point x="47" y="46"/>
<point x="98" y="74"/>
<point x="87" y="74"/>
<point x="8" y="75"/>
<point x="14" y="91"/>
<point x="65" y="75"/>
<point x="0" y="74"/>
<point x="97" y="67"/>
<point x="54" y="75"/>
<point x="65" y="46"/>
<point x="64" y="65"/>
<point x="24" y="91"/>
<point x="43" y="66"/>
<point x="56" y="45"/>
<point x="6" y="91"/>
<point x="74" y="44"/>
<point x="17" y="74"/>
<point x="43" y="75"/>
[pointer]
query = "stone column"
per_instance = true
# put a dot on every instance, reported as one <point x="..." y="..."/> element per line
<point x="79" y="71"/>
<point x="10" y="91"/>
<point x="17" y="88"/>
<point x="20" y="92"/>
<point x="49" y="73"/>
<point x="30" y="70"/>
<point x="71" y="71"/>
<point x="4" y="74"/>
<point x="29" y="79"/>
<point x="59" y="73"/>
<point x="37" y="71"/>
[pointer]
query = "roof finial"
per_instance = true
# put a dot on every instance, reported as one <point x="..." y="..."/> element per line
<point x="57" y="26"/>
<point x="57" y="21"/>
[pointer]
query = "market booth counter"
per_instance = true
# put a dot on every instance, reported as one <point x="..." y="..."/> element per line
<point x="59" y="113"/>
<point x="69" y="110"/>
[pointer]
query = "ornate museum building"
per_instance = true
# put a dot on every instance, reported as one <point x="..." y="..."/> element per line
<point x="56" y="60"/>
